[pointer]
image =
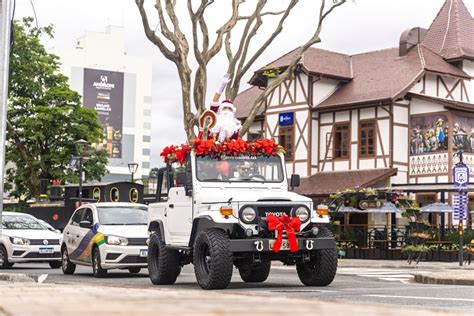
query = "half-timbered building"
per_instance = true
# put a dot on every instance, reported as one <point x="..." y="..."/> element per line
<point x="378" y="118"/>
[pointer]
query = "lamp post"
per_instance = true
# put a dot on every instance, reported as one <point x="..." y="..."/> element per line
<point x="80" y="146"/>
<point x="460" y="139"/>
<point x="132" y="167"/>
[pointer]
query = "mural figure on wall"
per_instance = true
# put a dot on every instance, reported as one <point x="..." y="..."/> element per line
<point x="429" y="134"/>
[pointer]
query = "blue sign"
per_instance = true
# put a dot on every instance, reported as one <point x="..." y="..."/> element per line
<point x="461" y="176"/>
<point x="285" y="119"/>
<point x="460" y="202"/>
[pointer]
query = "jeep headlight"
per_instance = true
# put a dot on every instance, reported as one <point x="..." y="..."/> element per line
<point x="19" y="241"/>
<point x="248" y="215"/>
<point x="115" y="240"/>
<point x="303" y="213"/>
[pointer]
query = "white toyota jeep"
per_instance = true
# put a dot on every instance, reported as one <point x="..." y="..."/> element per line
<point x="236" y="211"/>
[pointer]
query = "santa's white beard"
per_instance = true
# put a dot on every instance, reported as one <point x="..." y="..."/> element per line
<point x="226" y="125"/>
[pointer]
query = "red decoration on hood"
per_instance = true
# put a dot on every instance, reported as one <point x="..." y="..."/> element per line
<point x="284" y="223"/>
<point x="215" y="149"/>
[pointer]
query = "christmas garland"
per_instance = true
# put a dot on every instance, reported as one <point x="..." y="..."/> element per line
<point x="215" y="149"/>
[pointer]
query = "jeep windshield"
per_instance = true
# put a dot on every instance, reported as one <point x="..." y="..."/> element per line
<point x="240" y="169"/>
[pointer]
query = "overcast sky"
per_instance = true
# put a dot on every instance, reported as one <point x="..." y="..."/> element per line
<point x="357" y="26"/>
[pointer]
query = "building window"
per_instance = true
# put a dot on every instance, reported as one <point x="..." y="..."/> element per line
<point x="286" y="139"/>
<point x="341" y="141"/>
<point x="367" y="139"/>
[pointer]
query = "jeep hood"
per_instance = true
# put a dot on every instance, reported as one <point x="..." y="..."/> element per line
<point x="213" y="195"/>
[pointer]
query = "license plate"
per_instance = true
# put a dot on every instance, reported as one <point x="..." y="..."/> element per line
<point x="285" y="245"/>
<point x="144" y="253"/>
<point x="46" y="250"/>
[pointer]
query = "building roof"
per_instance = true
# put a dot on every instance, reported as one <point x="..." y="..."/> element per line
<point x="451" y="34"/>
<point x="384" y="75"/>
<point x="314" y="60"/>
<point x="325" y="183"/>
<point x="244" y="101"/>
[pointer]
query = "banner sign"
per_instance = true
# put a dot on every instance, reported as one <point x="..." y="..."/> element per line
<point x="103" y="92"/>
<point x="460" y="206"/>
<point x="285" y="119"/>
<point x="461" y="176"/>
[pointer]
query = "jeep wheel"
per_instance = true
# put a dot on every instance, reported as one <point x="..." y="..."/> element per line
<point x="163" y="264"/>
<point x="67" y="266"/>
<point x="212" y="259"/>
<point x="4" y="264"/>
<point x="97" y="270"/>
<point x="321" y="270"/>
<point x="255" y="272"/>
<point x="55" y="264"/>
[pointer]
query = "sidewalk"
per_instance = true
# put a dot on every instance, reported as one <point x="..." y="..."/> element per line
<point x="27" y="299"/>
<point x="403" y="264"/>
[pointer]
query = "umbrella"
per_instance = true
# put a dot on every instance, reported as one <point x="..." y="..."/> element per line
<point x="437" y="208"/>
<point x="348" y="209"/>
<point x="388" y="207"/>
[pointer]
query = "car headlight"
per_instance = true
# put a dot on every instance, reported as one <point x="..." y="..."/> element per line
<point x="248" y="214"/>
<point x="115" y="240"/>
<point x="19" y="241"/>
<point x="303" y="213"/>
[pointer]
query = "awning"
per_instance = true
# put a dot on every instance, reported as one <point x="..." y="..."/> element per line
<point x="325" y="183"/>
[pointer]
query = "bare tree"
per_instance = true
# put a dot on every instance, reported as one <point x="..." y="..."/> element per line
<point x="240" y="60"/>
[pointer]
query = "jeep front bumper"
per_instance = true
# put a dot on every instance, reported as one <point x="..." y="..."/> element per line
<point x="263" y="245"/>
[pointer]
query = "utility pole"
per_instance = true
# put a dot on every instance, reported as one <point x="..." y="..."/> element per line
<point x="5" y="27"/>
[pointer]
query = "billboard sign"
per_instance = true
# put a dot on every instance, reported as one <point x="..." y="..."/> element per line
<point x="103" y="92"/>
<point x="461" y="176"/>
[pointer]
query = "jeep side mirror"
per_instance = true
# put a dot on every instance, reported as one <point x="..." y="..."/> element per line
<point x="295" y="181"/>
<point x="85" y="224"/>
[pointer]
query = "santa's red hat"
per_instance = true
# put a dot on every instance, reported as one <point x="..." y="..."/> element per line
<point x="227" y="104"/>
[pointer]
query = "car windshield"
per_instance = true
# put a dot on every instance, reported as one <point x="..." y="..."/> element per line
<point x="122" y="215"/>
<point x="20" y="222"/>
<point x="240" y="169"/>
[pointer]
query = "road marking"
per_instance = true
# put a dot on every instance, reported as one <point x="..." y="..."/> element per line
<point x="42" y="278"/>
<point x="423" y="298"/>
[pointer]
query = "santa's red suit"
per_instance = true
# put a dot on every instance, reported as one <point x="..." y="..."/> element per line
<point x="227" y="126"/>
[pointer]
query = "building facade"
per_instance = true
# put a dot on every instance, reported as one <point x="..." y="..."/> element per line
<point x="383" y="118"/>
<point x="118" y="86"/>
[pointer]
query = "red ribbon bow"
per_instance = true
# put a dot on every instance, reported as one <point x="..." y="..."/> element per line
<point x="290" y="225"/>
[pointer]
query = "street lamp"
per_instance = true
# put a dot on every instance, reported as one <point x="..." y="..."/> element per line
<point x="132" y="167"/>
<point x="81" y="144"/>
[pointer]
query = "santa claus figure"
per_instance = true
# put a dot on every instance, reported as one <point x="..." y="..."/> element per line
<point x="227" y="126"/>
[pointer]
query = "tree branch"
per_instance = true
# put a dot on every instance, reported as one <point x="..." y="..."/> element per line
<point x="263" y="14"/>
<point x="290" y="70"/>
<point x="150" y="34"/>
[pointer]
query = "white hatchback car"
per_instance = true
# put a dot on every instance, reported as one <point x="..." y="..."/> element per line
<point x="106" y="236"/>
<point x="25" y="239"/>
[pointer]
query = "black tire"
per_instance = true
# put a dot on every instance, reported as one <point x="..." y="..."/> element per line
<point x="134" y="270"/>
<point x="97" y="270"/>
<point x="4" y="264"/>
<point x="255" y="272"/>
<point x="67" y="266"/>
<point x="55" y="264"/>
<point x="321" y="270"/>
<point x="213" y="262"/>
<point x="164" y="265"/>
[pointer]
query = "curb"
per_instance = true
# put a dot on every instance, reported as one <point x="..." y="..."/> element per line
<point x="433" y="279"/>
<point x="24" y="278"/>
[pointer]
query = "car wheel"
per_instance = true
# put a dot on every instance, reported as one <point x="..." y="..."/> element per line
<point x="255" y="272"/>
<point x="163" y="264"/>
<point x="55" y="264"/>
<point x="135" y="270"/>
<point x="4" y="264"/>
<point x="321" y="269"/>
<point x="66" y="265"/>
<point x="213" y="262"/>
<point x="97" y="270"/>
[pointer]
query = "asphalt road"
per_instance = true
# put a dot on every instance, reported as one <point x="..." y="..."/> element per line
<point x="375" y="285"/>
